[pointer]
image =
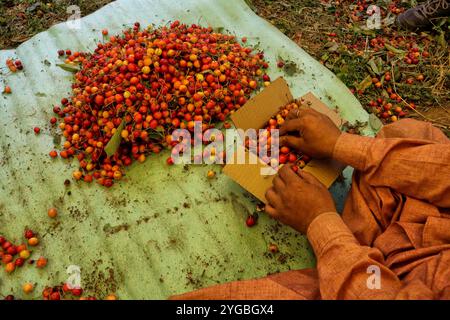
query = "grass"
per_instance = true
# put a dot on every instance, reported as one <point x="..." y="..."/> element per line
<point x="20" y="20"/>
<point x="308" y="23"/>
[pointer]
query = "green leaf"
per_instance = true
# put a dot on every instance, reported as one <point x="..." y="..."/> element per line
<point x="356" y="29"/>
<point x="373" y="66"/>
<point x="116" y="139"/>
<point x="441" y="39"/>
<point x="363" y="85"/>
<point x="325" y="57"/>
<point x="394" y="49"/>
<point x="374" y="122"/>
<point x="69" y="67"/>
<point x="332" y="46"/>
<point x="344" y="68"/>
<point x="157" y="134"/>
<point x="441" y="22"/>
<point x="369" y="32"/>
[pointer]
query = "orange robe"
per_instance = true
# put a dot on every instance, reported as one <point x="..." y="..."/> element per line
<point x="396" y="220"/>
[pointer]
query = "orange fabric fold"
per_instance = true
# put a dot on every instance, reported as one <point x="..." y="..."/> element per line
<point x="393" y="238"/>
<point x="291" y="285"/>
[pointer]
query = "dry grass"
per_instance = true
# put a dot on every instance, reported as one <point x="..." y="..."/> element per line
<point x="309" y="23"/>
<point x="20" y="20"/>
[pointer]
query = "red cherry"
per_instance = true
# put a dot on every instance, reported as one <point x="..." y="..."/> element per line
<point x="292" y="158"/>
<point x="251" y="220"/>
<point x="170" y="161"/>
<point x="55" y="296"/>
<point x="77" y="292"/>
<point x="29" y="234"/>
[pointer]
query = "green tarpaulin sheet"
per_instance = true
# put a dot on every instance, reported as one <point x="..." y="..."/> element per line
<point x="163" y="230"/>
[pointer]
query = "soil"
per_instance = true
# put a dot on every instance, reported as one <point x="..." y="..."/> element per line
<point x="329" y="29"/>
<point x="20" y="20"/>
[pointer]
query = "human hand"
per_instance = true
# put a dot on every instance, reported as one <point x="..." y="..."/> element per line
<point x="312" y="133"/>
<point x="296" y="199"/>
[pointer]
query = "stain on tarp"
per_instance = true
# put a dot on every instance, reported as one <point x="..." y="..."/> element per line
<point x="109" y="230"/>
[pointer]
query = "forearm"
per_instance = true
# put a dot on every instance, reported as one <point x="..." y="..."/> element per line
<point x="344" y="265"/>
<point x="416" y="168"/>
<point x="352" y="150"/>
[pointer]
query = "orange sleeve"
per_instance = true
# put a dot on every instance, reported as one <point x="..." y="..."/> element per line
<point x="413" y="167"/>
<point x="345" y="267"/>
